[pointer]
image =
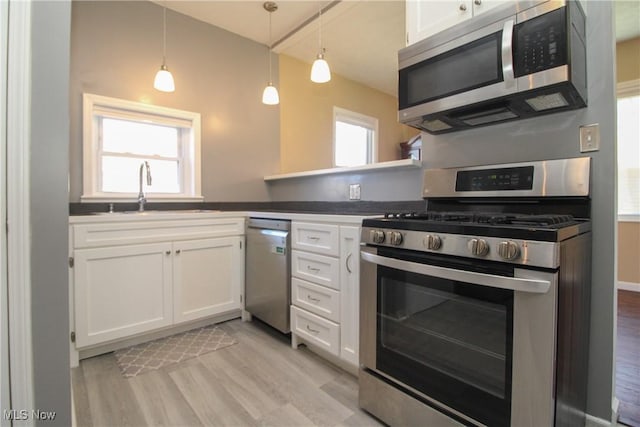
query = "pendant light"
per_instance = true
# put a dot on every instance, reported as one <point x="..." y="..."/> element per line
<point x="164" y="80"/>
<point x="270" y="95"/>
<point x="320" y="72"/>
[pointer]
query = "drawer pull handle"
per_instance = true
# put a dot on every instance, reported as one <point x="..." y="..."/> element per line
<point x="313" y="299"/>
<point x="312" y="330"/>
<point x="178" y="251"/>
<point x="315" y="238"/>
<point x="314" y="269"/>
<point x="168" y="252"/>
<point x="347" y="263"/>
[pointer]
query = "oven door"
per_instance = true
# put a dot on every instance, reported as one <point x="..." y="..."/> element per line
<point x="473" y="339"/>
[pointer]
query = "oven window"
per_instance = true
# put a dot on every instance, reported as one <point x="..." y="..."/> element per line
<point x="450" y="340"/>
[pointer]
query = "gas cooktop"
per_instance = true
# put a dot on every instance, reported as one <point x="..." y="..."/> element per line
<point x="551" y="221"/>
<point x="544" y="227"/>
<point x="517" y="213"/>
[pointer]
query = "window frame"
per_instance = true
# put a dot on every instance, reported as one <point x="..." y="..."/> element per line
<point x="626" y="89"/>
<point x="95" y="106"/>
<point x="358" y="119"/>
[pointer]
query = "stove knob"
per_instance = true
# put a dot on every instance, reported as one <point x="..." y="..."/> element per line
<point x="508" y="250"/>
<point x="432" y="242"/>
<point x="478" y="247"/>
<point x="377" y="236"/>
<point x="395" y="238"/>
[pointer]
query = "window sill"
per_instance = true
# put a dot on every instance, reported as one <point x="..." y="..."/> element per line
<point x="134" y="199"/>
<point x="395" y="164"/>
<point x="629" y="218"/>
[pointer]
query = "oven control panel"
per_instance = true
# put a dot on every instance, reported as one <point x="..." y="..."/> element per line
<point x="513" y="251"/>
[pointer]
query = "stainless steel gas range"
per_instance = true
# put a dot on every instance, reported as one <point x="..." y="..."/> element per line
<point x="476" y="311"/>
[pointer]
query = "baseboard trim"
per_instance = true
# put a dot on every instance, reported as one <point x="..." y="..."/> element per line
<point x="592" y="421"/>
<point x="335" y="360"/>
<point x="628" y="286"/>
<point x="150" y="336"/>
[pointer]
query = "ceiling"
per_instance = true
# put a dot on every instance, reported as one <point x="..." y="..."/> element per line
<point x="627" y="16"/>
<point x="361" y="37"/>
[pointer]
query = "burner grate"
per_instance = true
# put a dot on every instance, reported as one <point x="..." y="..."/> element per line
<point x="484" y="218"/>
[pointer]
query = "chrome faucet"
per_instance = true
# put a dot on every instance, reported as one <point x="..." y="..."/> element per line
<point x="141" y="199"/>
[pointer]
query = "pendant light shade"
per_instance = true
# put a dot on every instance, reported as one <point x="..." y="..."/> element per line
<point x="320" y="72"/>
<point x="270" y="94"/>
<point x="164" y="80"/>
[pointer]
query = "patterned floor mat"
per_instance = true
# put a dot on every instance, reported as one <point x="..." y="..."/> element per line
<point x="155" y="354"/>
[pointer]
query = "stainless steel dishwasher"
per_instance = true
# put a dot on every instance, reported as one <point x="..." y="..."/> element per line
<point x="268" y="271"/>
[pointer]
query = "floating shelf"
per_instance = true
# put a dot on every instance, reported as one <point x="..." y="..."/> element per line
<point x="395" y="164"/>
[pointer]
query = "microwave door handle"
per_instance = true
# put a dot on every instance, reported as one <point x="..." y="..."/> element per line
<point x="507" y="55"/>
<point x="482" y="279"/>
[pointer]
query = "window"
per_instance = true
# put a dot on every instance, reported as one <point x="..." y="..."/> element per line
<point x="629" y="150"/>
<point x="355" y="138"/>
<point x="119" y="136"/>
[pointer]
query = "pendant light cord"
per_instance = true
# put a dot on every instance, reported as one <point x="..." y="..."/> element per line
<point x="270" y="77"/>
<point x="164" y="36"/>
<point x="320" y="29"/>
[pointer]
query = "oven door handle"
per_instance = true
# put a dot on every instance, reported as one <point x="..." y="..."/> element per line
<point x="482" y="279"/>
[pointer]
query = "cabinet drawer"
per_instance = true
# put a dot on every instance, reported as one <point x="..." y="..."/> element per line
<point x="319" y="238"/>
<point x="317" y="299"/>
<point x="135" y="232"/>
<point x="315" y="329"/>
<point x="319" y="269"/>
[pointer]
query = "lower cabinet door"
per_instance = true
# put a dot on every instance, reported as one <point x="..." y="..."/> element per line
<point x="315" y="329"/>
<point x="349" y="293"/>
<point x="121" y="291"/>
<point x="207" y="277"/>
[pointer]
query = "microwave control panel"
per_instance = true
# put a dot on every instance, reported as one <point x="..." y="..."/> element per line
<point x="540" y="43"/>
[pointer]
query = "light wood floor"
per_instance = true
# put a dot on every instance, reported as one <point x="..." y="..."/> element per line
<point x="260" y="381"/>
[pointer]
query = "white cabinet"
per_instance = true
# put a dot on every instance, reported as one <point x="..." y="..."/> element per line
<point x="129" y="278"/>
<point x="315" y="329"/>
<point x="427" y="17"/>
<point x="481" y="6"/>
<point x="207" y="277"/>
<point x="350" y="293"/>
<point x="325" y="270"/>
<point x="320" y="269"/>
<point x="317" y="299"/>
<point x="318" y="238"/>
<point x="121" y="291"/>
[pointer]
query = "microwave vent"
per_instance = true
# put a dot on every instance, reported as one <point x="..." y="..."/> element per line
<point x="547" y="102"/>
<point x="435" y="125"/>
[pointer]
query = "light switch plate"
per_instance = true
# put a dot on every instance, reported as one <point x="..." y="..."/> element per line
<point x="589" y="138"/>
<point x="354" y="191"/>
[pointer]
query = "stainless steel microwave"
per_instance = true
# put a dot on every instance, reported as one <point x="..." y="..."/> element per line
<point x="519" y="60"/>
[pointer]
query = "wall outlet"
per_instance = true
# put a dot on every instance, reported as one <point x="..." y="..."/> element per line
<point x="354" y="191"/>
<point x="589" y="138"/>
